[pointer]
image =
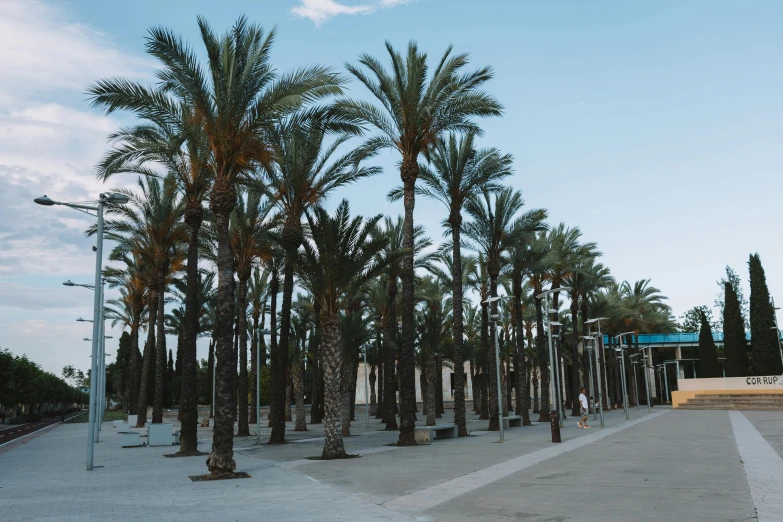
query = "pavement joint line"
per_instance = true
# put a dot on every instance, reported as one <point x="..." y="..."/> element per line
<point x="762" y="466"/>
<point x="427" y="498"/>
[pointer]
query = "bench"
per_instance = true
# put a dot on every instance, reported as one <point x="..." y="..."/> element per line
<point x="512" y="421"/>
<point x="133" y="419"/>
<point x="131" y="439"/>
<point x="430" y="433"/>
<point x="123" y="427"/>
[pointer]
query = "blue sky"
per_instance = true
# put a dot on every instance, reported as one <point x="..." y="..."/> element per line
<point x="655" y="127"/>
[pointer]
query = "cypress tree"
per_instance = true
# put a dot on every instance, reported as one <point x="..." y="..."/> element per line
<point x="734" y="344"/>
<point x="709" y="366"/>
<point x="765" y="350"/>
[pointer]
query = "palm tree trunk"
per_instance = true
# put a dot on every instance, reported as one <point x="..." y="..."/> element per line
<point x="409" y="171"/>
<point x="381" y="356"/>
<point x="288" y="396"/>
<point x="274" y="289"/>
<point x="389" y="341"/>
<point x="431" y="374"/>
<point x="423" y="388"/>
<point x="234" y="365"/>
<point x="253" y="367"/>
<point x="472" y="370"/>
<point x="345" y="405"/>
<point x="331" y="351"/>
<point x="134" y="364"/>
<point x="520" y="361"/>
<point x="315" y="340"/>
<point x="243" y="429"/>
<point x="278" y="379"/>
<point x="188" y="443"/>
<point x="575" y="407"/>
<point x="439" y="410"/>
<point x="149" y="353"/>
<point x="210" y="370"/>
<point x="298" y="376"/>
<point x="534" y="380"/>
<point x="543" y="359"/>
<point x="372" y="378"/>
<point x="160" y="366"/>
<point x="458" y="326"/>
<point x="485" y="356"/>
<point x="221" y="460"/>
<point x="494" y="421"/>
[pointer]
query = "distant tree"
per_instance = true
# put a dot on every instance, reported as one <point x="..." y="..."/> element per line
<point x="690" y="321"/>
<point x="709" y="366"/>
<point x="764" y="346"/>
<point x="734" y="344"/>
<point x="720" y="301"/>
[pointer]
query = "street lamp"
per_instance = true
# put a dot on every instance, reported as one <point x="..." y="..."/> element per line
<point x="494" y="318"/>
<point x="622" y="373"/>
<point x="555" y="396"/>
<point x="103" y="199"/>
<point x="600" y="337"/>
<point x="590" y="358"/>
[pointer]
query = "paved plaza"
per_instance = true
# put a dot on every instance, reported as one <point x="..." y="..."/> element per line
<point x="668" y="465"/>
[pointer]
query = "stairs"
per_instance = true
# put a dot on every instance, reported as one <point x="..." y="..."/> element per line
<point x="735" y="401"/>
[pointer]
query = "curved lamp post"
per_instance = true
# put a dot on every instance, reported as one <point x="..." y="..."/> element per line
<point x="103" y="199"/>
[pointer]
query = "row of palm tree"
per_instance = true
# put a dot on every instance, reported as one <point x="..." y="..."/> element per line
<point x="235" y="162"/>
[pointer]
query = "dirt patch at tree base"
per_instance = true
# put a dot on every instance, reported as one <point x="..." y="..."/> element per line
<point x="219" y="476"/>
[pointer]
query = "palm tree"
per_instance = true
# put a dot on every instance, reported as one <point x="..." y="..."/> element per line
<point x="494" y="231"/>
<point x="479" y="281"/>
<point x="458" y="172"/>
<point x="236" y="105"/>
<point x="176" y="141"/>
<point x="150" y="228"/>
<point x="538" y="273"/>
<point x="132" y="282"/>
<point x="343" y="255"/>
<point x="430" y="336"/>
<point x="395" y="234"/>
<point x="250" y="241"/>
<point x="413" y="111"/>
<point x="257" y="294"/>
<point x="304" y="172"/>
<point x="565" y="254"/>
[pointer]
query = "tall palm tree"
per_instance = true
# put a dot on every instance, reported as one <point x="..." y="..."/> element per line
<point x="250" y="241"/>
<point x="236" y="103"/>
<point x="343" y="255"/>
<point x="132" y="282"/>
<point x="431" y="337"/>
<point x="176" y="141"/>
<point x="149" y="227"/>
<point x="395" y="235"/>
<point x="538" y="273"/>
<point x="304" y="172"/>
<point x="414" y="109"/>
<point x="458" y="171"/>
<point x="257" y="294"/>
<point x="495" y="229"/>
<point x="479" y="281"/>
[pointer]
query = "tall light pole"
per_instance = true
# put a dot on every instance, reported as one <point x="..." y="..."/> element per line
<point x="622" y="374"/>
<point x="600" y="338"/>
<point x="103" y="199"/>
<point x="589" y="349"/>
<point x="554" y="380"/>
<point x="635" y="382"/>
<point x="494" y="318"/>
<point x="646" y="381"/>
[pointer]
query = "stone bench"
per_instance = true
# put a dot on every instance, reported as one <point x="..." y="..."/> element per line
<point x="123" y="427"/>
<point x="160" y="434"/>
<point x="131" y="439"/>
<point x="430" y="433"/>
<point x="512" y="421"/>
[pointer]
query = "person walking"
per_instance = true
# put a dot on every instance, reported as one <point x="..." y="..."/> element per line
<point x="584" y="409"/>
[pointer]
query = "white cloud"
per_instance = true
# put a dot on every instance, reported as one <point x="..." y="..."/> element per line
<point x="319" y="11"/>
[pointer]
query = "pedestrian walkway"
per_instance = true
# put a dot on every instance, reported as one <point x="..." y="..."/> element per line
<point x="671" y="465"/>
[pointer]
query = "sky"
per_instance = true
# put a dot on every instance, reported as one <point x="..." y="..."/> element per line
<point x="655" y="127"/>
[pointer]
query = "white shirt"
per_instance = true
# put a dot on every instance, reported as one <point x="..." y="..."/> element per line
<point x="583" y="400"/>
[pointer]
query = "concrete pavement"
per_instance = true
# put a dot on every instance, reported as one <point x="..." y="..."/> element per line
<point x="673" y="465"/>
